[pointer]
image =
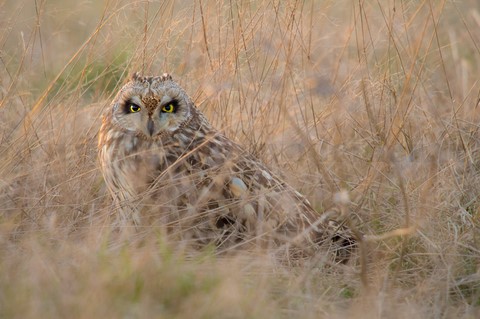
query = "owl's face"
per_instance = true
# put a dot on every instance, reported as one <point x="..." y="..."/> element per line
<point x="151" y="106"/>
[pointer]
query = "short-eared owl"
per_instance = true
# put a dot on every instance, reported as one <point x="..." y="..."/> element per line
<point x="164" y="163"/>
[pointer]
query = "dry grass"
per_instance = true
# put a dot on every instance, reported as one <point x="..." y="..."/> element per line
<point x="378" y="99"/>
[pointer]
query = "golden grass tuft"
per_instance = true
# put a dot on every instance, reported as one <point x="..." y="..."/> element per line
<point x="372" y="103"/>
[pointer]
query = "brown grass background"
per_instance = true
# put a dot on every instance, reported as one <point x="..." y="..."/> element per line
<point x="377" y="100"/>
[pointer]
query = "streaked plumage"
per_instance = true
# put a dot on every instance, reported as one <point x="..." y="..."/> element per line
<point x="173" y="169"/>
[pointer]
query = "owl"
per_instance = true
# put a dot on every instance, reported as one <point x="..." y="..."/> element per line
<point x="164" y="164"/>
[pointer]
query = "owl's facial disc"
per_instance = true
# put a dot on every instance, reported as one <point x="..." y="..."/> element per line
<point x="151" y="107"/>
<point x="151" y="116"/>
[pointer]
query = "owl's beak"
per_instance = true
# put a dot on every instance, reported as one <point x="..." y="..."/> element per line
<point x="150" y="126"/>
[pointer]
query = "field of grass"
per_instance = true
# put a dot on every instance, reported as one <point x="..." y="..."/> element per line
<point x="377" y="100"/>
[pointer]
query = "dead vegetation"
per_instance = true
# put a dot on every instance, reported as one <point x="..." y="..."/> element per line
<point x="372" y="103"/>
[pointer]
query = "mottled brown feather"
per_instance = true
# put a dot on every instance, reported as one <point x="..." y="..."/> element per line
<point x="202" y="187"/>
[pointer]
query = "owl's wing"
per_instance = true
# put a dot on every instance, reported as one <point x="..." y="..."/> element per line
<point x="289" y="213"/>
<point x="247" y="197"/>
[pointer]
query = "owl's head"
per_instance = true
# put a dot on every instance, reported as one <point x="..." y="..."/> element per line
<point x="151" y="106"/>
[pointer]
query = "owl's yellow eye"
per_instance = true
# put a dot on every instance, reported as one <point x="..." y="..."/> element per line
<point x="132" y="108"/>
<point x="169" y="108"/>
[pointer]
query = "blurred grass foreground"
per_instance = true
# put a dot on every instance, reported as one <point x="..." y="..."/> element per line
<point x="374" y="100"/>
